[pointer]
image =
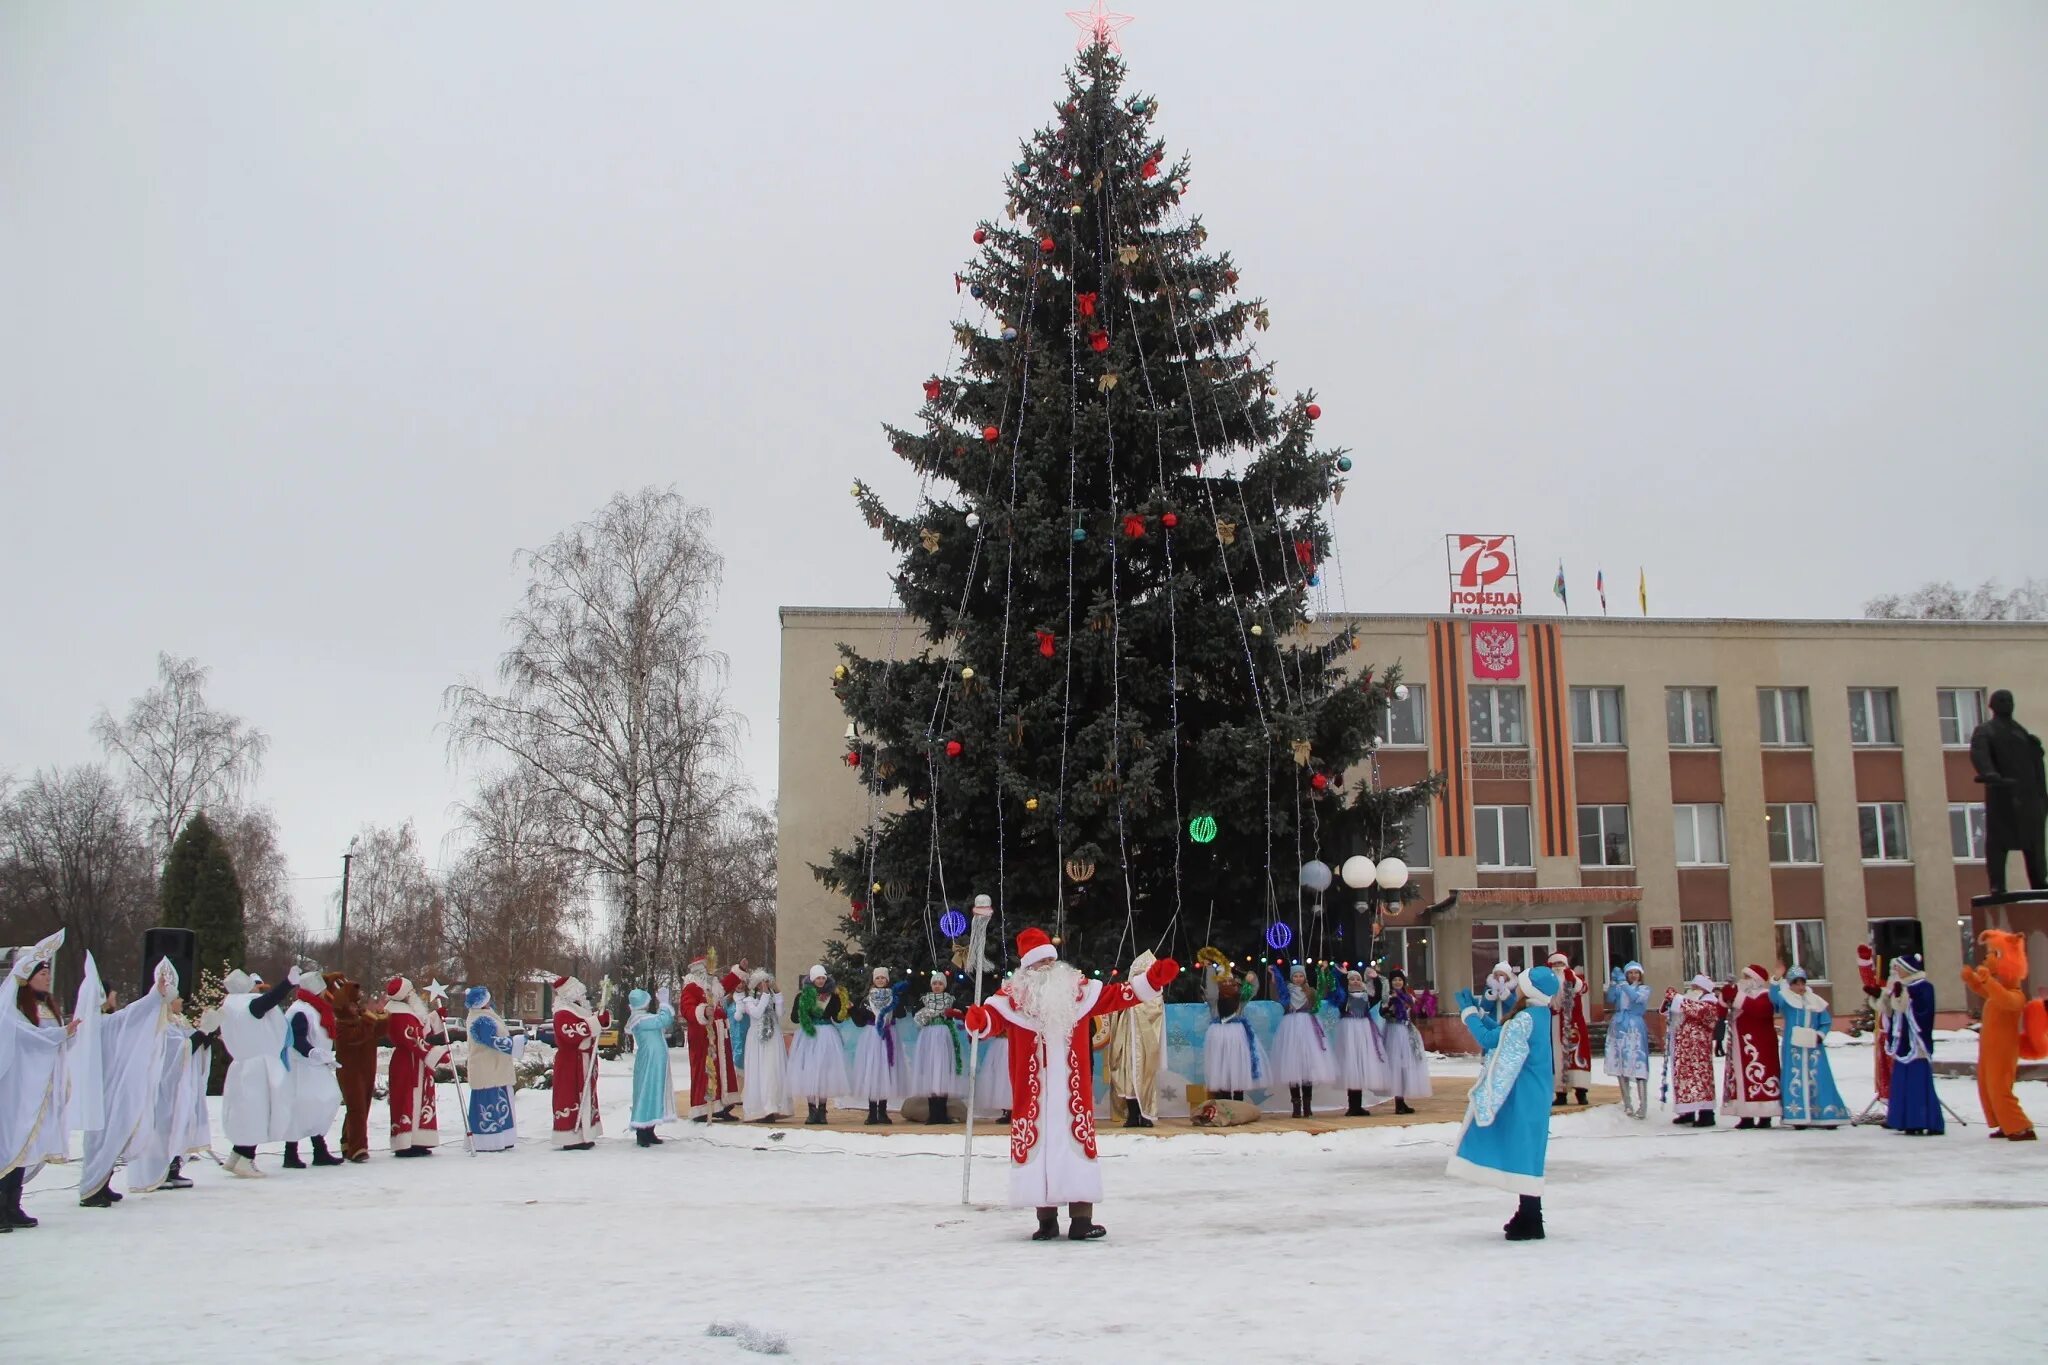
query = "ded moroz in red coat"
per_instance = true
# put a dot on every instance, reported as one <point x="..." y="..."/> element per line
<point x="706" y="1034"/>
<point x="575" y="1089"/>
<point x="1749" y="1083"/>
<point x="415" y="1121"/>
<point x="1044" y="1014"/>
<point x="1571" y="1034"/>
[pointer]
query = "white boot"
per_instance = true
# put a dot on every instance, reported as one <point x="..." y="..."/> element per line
<point x="239" y="1165"/>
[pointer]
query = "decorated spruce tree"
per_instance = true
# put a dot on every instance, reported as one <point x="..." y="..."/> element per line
<point x="1122" y="722"/>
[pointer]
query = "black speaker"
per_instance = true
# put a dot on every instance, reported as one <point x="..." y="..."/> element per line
<point x="181" y="946"/>
<point x="1891" y="937"/>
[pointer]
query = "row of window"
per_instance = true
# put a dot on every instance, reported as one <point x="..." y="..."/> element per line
<point x="1707" y="947"/>
<point x="1503" y="839"/>
<point x="1504" y="835"/>
<point x="1497" y="716"/>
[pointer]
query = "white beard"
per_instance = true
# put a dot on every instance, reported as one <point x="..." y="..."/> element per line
<point x="1049" y="998"/>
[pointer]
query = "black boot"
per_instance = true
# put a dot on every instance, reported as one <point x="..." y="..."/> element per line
<point x="174" y="1179"/>
<point x="1685" y="1120"/>
<point x="882" y="1114"/>
<point x="323" y="1157"/>
<point x="815" y="1114"/>
<point x="1081" y="1224"/>
<point x="1581" y="1093"/>
<point x="1308" y="1101"/>
<point x="643" y="1137"/>
<point x="1527" y="1224"/>
<point x="1558" y="1101"/>
<point x="1134" y="1117"/>
<point x="934" y="1110"/>
<point x="102" y="1198"/>
<point x="873" y="1119"/>
<point x="1048" y="1225"/>
<point x="1356" y="1109"/>
<point x="726" y="1115"/>
<point x="291" y="1157"/>
<point x="11" y="1214"/>
<point x="1763" y="1123"/>
<point x="1294" y="1100"/>
<point x="1745" y="1123"/>
<point x="1705" y="1119"/>
<point x="1401" y="1105"/>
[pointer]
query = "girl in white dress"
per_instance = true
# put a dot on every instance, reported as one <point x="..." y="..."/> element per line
<point x="938" y="1068"/>
<point x="817" y="1055"/>
<point x="1302" y="1057"/>
<point x="879" y="1066"/>
<point x="763" y="1091"/>
<point x="1407" y="1063"/>
<point x="1361" y="1055"/>
<point x="1232" y="1059"/>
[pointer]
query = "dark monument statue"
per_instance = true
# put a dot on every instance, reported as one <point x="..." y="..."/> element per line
<point x="2008" y="763"/>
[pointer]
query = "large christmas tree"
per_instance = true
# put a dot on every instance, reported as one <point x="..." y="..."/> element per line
<point x="1123" y="724"/>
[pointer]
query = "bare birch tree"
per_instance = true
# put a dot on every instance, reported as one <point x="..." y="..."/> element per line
<point x="182" y="755"/>
<point x="611" y="698"/>
<point x="514" y="901"/>
<point x="70" y="857"/>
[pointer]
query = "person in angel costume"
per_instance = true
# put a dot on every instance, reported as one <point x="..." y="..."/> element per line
<point x="312" y="1070"/>
<point x="763" y="1081"/>
<point x="117" y="1074"/>
<point x="256" y="1100"/>
<point x="1571" y="1040"/>
<point x="1044" y="1012"/>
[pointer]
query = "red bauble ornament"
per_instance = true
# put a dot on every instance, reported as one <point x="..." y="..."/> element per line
<point x="1149" y="169"/>
<point x="980" y="236"/>
<point x="1319" y="782"/>
<point x="954" y="748"/>
<point x="859" y="906"/>
<point x="1098" y="341"/>
<point x="1045" y="643"/>
<point x="931" y="390"/>
<point x="1086" y="304"/>
<point x="990" y="434"/>
<point x="1169" y="521"/>
<point x="1305" y="552"/>
<point x="1314" y="411"/>
<point x="853" y="758"/>
<point x="1048" y="245"/>
<point x="1134" y="526"/>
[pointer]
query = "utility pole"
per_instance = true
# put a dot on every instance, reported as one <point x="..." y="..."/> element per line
<point x="341" y="936"/>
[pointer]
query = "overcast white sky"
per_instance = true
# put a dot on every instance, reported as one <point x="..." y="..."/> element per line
<point x="312" y="314"/>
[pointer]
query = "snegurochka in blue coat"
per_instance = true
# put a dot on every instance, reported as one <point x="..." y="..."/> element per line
<point x="1506" y="1136"/>
<point x="654" y="1092"/>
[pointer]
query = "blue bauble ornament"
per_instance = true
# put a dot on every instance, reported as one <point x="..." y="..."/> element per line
<point x="1196" y="296"/>
<point x="1009" y="334"/>
<point x="1079" y="535"/>
<point x="976" y="290"/>
<point x="1344" y="464"/>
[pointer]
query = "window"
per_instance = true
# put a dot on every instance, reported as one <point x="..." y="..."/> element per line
<point x="1962" y="711"/>
<point x="1503" y="836"/>
<point x="1689" y="714"/>
<point x="1804" y="943"/>
<point x="1408" y="947"/>
<point x="1415" y="849"/>
<point x="1525" y="944"/>
<point x="1622" y="946"/>
<point x="1405" y="724"/>
<point x="1603" y="837"/>
<point x="1873" y="715"/>
<point x="1782" y="715"/>
<point x="1793" y="833"/>
<point x="1966" y="832"/>
<point x="1496" y="715"/>
<point x="1709" y="949"/>
<point x="1596" y="717"/>
<point x="1883" y="827"/>
<point x="1698" y="831"/>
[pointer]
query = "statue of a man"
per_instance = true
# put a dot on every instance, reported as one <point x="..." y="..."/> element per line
<point x="2008" y="763"/>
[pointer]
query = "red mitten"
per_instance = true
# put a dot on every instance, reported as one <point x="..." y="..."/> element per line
<point x="604" y="1020"/>
<point x="979" y="1021"/>
<point x="956" y="1014"/>
<point x="1162" y="973"/>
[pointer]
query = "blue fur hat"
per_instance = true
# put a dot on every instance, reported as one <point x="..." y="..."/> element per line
<point x="1539" y="985"/>
<point x="476" y="997"/>
<point x="638" y="999"/>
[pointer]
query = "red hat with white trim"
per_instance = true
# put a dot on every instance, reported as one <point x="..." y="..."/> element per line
<point x="1034" y="947"/>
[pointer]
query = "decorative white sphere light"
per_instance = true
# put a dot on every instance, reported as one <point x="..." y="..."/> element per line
<point x="973" y="520"/>
<point x="1359" y="872"/>
<point x="1393" y="874"/>
<point x="1401" y="691"/>
<point x="1315" y="875"/>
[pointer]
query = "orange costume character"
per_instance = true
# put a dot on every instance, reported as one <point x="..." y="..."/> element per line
<point x="2013" y="1028"/>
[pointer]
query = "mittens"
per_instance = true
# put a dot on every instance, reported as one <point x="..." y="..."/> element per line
<point x="980" y="1022"/>
<point x="1161" y="973"/>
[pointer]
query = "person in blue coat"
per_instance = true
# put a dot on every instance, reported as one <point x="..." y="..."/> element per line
<point x="1628" y="1038"/>
<point x="1506" y="1135"/>
<point x="654" y="1092"/>
<point x="1808" y="1081"/>
<point x="1908" y="1002"/>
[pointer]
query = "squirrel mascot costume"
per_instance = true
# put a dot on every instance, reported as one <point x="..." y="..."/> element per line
<point x="2014" y="1027"/>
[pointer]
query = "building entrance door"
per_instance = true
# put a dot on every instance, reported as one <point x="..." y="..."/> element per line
<point x="1526" y="944"/>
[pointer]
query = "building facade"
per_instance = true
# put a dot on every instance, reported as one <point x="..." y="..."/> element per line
<point x="1697" y="795"/>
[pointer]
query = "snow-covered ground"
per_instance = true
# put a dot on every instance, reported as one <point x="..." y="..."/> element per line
<point x="1721" y="1245"/>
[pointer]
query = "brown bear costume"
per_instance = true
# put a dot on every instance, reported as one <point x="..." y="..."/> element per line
<point x="357" y="1033"/>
